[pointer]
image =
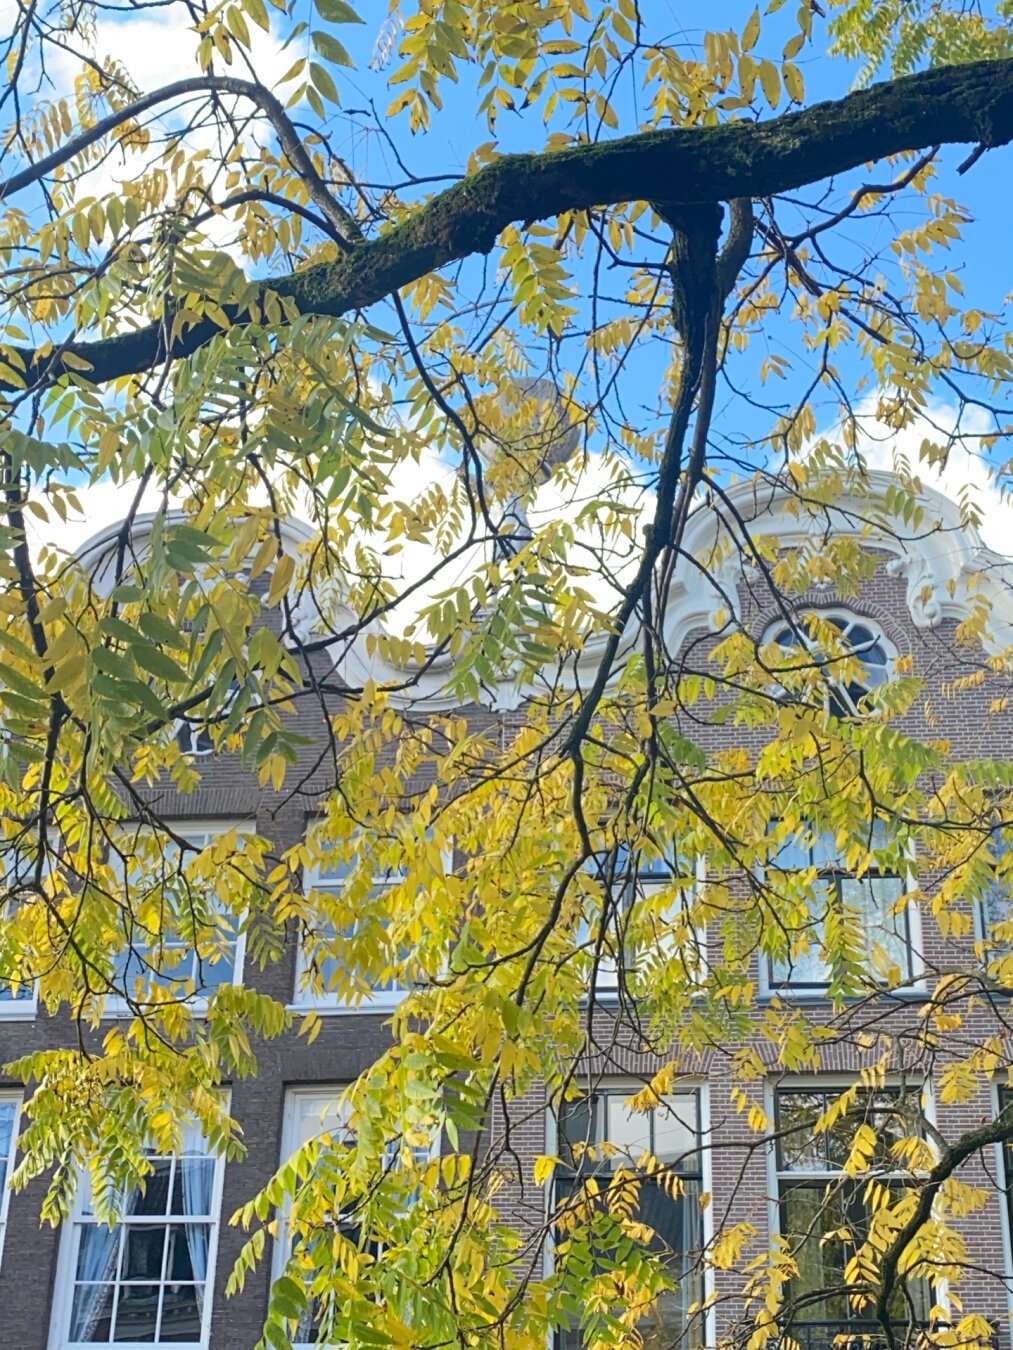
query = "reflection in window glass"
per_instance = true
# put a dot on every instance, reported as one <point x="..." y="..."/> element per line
<point x="824" y="1215"/>
<point x="161" y="949"/>
<point x="868" y="902"/>
<point x="672" y="1133"/>
<point x="857" y="637"/>
<point x="10" y="1107"/>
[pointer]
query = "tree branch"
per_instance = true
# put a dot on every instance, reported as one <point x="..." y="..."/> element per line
<point x="970" y="103"/>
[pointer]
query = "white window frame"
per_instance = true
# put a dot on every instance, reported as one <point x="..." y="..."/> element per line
<point x="23" y="1008"/>
<point x="66" y="1267"/>
<point x="606" y="981"/>
<point x="996" y="950"/>
<point x="1005" y="1203"/>
<point x="813" y="993"/>
<point x="325" y="1094"/>
<point x="15" y="1099"/>
<point x="620" y="1084"/>
<point x="844" y="618"/>
<point x="117" y="1006"/>
<point x="833" y="1083"/>
<point x="328" y="1002"/>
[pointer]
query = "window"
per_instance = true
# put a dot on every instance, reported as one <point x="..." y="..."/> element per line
<point x="310" y="1112"/>
<point x="648" y="918"/>
<point x="371" y="904"/>
<point x="16" y="1001"/>
<point x="177" y="935"/>
<point x="831" y="636"/>
<point x="863" y="911"/>
<point x="672" y="1133"/>
<point x="10" y="1110"/>
<point x="193" y="736"/>
<point x="824" y="1215"/>
<point x="146" y="1281"/>
<point x="1005" y="1150"/>
<point x="994" y="911"/>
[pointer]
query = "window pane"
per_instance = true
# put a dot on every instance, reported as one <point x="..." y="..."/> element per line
<point x="136" y="1312"/>
<point x="97" y="1253"/>
<point x="154" y="1197"/>
<point x="194" y="1187"/>
<point x="798" y="1148"/>
<point x="91" y="1315"/>
<point x="630" y="1132"/>
<point x="143" y="1249"/>
<point x="8" y="1115"/>
<point x="676" y="1130"/>
<point x="182" y="1311"/>
<point x="319" y="1115"/>
<point x="808" y="1213"/>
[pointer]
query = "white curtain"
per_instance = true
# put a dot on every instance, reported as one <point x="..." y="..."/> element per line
<point x="198" y="1175"/>
<point x="97" y="1254"/>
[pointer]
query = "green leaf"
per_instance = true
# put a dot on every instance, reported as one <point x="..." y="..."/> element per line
<point x="336" y="11"/>
<point x="153" y="659"/>
<point x="330" y="49"/>
<point x="323" y="81"/>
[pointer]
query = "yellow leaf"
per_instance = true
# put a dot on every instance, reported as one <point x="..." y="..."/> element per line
<point x="751" y="31"/>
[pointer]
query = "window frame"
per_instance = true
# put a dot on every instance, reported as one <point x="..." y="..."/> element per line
<point x="24" y="1007"/>
<point x="832" y="1084"/>
<point x="327" y="1092"/>
<point x="1004" y="1169"/>
<point x="329" y="1003"/>
<point x="64" y="1281"/>
<point x="623" y="1085"/>
<point x="991" y="949"/>
<point x="832" y="686"/>
<point x="771" y="987"/>
<point x="9" y="1096"/>
<point x="633" y="888"/>
<point x="114" y="1005"/>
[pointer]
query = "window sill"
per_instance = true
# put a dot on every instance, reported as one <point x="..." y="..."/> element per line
<point x="908" y="993"/>
<point x="116" y="1010"/>
<point x="381" y="1003"/>
<point x="18" y="1010"/>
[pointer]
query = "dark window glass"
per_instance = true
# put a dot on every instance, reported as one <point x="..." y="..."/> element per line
<point x="671" y="1134"/>
<point x="824" y="1214"/>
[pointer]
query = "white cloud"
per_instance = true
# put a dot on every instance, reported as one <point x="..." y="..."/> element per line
<point x="965" y="474"/>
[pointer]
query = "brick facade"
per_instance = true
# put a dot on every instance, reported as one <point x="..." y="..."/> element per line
<point x="349" y="1041"/>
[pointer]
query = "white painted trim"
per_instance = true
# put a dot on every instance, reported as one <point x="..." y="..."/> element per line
<point x="116" y="1007"/>
<point x="20" y="1009"/>
<point x="66" y="1265"/>
<point x="1004" y="1217"/>
<point x="945" y="566"/>
<point x="17" y="1099"/>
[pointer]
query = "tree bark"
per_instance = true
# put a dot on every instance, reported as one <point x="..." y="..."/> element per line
<point x="970" y="103"/>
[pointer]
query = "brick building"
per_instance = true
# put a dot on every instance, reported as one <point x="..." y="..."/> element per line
<point x="159" y="1278"/>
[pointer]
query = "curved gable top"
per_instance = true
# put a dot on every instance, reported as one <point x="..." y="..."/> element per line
<point x="947" y="568"/>
<point x="97" y="555"/>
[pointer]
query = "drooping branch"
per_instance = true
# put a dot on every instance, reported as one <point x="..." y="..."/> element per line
<point x="971" y="103"/>
<point x="271" y="107"/>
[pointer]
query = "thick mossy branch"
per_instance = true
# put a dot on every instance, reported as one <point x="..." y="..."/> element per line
<point x="970" y="103"/>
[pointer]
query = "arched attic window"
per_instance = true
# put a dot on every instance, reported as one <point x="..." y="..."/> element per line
<point x="832" y="637"/>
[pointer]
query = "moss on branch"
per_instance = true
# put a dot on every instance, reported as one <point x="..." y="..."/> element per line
<point x="970" y="103"/>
